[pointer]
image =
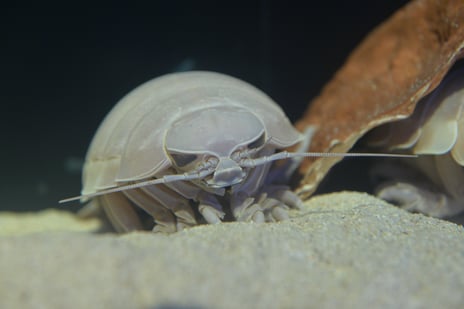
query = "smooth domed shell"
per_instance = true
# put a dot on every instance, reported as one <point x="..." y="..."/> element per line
<point x="397" y="64"/>
<point x="129" y="144"/>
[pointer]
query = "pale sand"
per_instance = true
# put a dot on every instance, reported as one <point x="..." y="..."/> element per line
<point x="344" y="250"/>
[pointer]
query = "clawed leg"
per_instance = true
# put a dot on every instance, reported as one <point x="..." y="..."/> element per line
<point x="271" y="204"/>
<point x="246" y="208"/>
<point x="278" y="201"/>
<point x="169" y="201"/>
<point x="285" y="195"/>
<point x="210" y="208"/>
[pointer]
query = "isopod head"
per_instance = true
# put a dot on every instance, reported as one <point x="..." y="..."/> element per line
<point x="216" y="139"/>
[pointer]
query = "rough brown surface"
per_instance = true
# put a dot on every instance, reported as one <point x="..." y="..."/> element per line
<point x="397" y="64"/>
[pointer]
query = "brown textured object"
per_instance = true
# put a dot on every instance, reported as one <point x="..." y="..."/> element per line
<point x="397" y="64"/>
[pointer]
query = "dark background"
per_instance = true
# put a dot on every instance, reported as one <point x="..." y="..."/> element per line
<point x="63" y="67"/>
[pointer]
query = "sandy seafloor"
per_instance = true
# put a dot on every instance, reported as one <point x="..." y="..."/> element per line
<point x="343" y="250"/>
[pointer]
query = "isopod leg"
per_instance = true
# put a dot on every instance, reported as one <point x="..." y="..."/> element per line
<point x="210" y="208"/>
<point x="416" y="199"/>
<point x="176" y="204"/>
<point x="274" y="210"/>
<point x="271" y="204"/>
<point x="435" y="190"/>
<point x="284" y="195"/>
<point x="120" y="212"/>
<point x="278" y="200"/>
<point x="164" y="219"/>
<point x="246" y="208"/>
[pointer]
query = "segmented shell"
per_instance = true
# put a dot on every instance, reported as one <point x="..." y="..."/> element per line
<point x="129" y="144"/>
<point x="436" y="127"/>
<point x="398" y="64"/>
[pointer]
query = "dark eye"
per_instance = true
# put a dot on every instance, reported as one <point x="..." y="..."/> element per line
<point x="257" y="143"/>
<point x="182" y="160"/>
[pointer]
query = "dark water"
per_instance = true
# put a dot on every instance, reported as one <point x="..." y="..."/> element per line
<point x="64" y="67"/>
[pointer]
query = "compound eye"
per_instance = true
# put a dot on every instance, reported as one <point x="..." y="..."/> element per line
<point x="181" y="159"/>
<point x="257" y="143"/>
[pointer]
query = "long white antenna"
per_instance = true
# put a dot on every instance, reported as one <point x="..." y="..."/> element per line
<point x="286" y="155"/>
<point x="164" y="179"/>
